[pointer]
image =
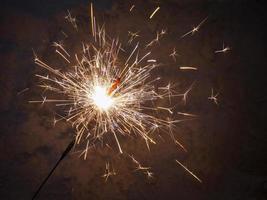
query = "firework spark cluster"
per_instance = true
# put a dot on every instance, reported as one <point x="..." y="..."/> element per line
<point x="104" y="92"/>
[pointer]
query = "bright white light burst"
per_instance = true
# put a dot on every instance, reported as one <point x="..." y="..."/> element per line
<point x="101" y="98"/>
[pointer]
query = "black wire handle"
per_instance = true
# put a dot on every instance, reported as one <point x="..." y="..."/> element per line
<point x="64" y="154"/>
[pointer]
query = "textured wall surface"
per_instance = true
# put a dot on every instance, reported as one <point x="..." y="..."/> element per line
<point x="226" y="143"/>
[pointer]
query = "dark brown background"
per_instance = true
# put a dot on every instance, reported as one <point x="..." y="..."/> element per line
<point x="227" y="143"/>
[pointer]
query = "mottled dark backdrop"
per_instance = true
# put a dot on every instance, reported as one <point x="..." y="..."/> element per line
<point x="227" y="143"/>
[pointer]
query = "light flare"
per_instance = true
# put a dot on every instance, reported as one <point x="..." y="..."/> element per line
<point x="101" y="99"/>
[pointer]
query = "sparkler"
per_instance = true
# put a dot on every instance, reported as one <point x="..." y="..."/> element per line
<point x="101" y="93"/>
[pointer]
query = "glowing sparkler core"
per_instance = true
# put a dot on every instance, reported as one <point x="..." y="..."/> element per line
<point x="101" y="99"/>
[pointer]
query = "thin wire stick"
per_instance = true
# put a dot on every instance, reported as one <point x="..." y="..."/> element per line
<point x="64" y="154"/>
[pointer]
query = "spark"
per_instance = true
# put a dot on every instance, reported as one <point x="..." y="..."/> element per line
<point x="223" y="50"/>
<point x="195" y="29"/>
<point x="72" y="20"/>
<point x="163" y="32"/>
<point x="180" y="145"/>
<point x="186" y="114"/>
<point x="154" y="12"/>
<point x="64" y="34"/>
<point x="132" y="35"/>
<point x="138" y="165"/>
<point x="134" y="160"/>
<point x="213" y="97"/>
<point x="190" y="172"/>
<point x="55" y="121"/>
<point x="167" y="109"/>
<point x="156" y="40"/>
<point x="59" y="45"/>
<point x="152" y="60"/>
<point x="132" y="7"/>
<point x="174" y="54"/>
<point x="149" y="174"/>
<point x="188" y="68"/>
<point x="184" y="95"/>
<point x="22" y="91"/>
<point x="108" y="172"/>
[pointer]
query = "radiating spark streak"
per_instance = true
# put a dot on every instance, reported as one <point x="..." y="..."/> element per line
<point x="163" y="32"/>
<point x="132" y="7"/>
<point x="154" y="12"/>
<point x="72" y="20"/>
<point x="223" y="50"/>
<point x="133" y="35"/>
<point x="213" y="97"/>
<point x="188" y="68"/>
<point x="108" y="172"/>
<point x="22" y="91"/>
<point x="59" y="45"/>
<point x="117" y="142"/>
<point x="64" y="34"/>
<point x="195" y="29"/>
<point x="190" y="172"/>
<point x="180" y="145"/>
<point x="134" y="160"/>
<point x="187" y="92"/>
<point x="149" y="174"/>
<point x="139" y="167"/>
<point x="92" y="19"/>
<point x="186" y="114"/>
<point x="85" y="151"/>
<point x="131" y="54"/>
<point x="156" y="40"/>
<point x="174" y="54"/>
<point x="62" y="56"/>
<point x="50" y="100"/>
<point x="152" y="61"/>
<point x="168" y="109"/>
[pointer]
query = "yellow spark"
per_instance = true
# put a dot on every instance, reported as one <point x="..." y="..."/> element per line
<point x="179" y="144"/>
<point x="92" y="19"/>
<point x="188" y="68"/>
<point x="186" y="114"/>
<point x="195" y="29"/>
<point x="108" y="172"/>
<point x="72" y="20"/>
<point x="132" y="36"/>
<point x="154" y="12"/>
<point x="132" y="7"/>
<point x="213" y="97"/>
<point x="190" y="172"/>
<point x="22" y="91"/>
<point x="148" y="174"/>
<point x="223" y="50"/>
<point x="174" y="54"/>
